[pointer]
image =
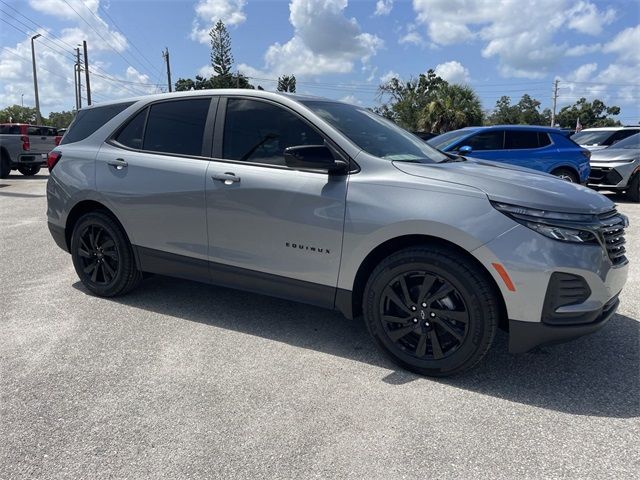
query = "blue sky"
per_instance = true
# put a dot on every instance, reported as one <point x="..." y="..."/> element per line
<point x="337" y="48"/>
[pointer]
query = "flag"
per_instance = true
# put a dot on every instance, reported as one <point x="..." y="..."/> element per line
<point x="578" y="125"/>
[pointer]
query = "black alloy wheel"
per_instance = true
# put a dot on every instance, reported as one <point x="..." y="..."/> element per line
<point x="99" y="255"/>
<point x="424" y="315"/>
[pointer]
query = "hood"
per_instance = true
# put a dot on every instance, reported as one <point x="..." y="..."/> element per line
<point x="515" y="185"/>
<point x="594" y="148"/>
<point x="614" y="154"/>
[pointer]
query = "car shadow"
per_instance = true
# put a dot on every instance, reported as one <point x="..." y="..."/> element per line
<point x="595" y="375"/>
<point x="19" y="176"/>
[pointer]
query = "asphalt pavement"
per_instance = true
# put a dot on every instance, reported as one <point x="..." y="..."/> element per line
<point x="184" y="380"/>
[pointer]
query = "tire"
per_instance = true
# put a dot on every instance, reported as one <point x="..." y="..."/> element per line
<point x="463" y="322"/>
<point x="633" y="192"/>
<point x="566" y="174"/>
<point x="99" y="241"/>
<point x="29" y="170"/>
<point x="5" y="165"/>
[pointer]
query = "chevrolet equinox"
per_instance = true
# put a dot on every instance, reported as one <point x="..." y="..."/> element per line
<point x="327" y="203"/>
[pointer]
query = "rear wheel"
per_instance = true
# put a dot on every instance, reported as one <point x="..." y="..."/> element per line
<point x="431" y="311"/>
<point x="566" y="175"/>
<point x="102" y="256"/>
<point x="29" y="170"/>
<point x="633" y="192"/>
<point x="5" y="165"/>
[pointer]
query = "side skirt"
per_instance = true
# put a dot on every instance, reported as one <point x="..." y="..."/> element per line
<point x="172" y="265"/>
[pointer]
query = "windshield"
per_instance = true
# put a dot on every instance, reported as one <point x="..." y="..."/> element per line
<point x="449" y="138"/>
<point x="632" y="142"/>
<point x="376" y="135"/>
<point x="592" y="138"/>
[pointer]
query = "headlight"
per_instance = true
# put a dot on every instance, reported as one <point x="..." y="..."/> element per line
<point x="565" y="227"/>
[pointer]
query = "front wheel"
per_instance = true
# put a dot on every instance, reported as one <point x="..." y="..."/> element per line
<point x="633" y="192"/>
<point x="566" y="175"/>
<point x="102" y="256"/>
<point x="29" y="170"/>
<point x="431" y="311"/>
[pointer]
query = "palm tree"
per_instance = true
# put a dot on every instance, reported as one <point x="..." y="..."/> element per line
<point x="453" y="107"/>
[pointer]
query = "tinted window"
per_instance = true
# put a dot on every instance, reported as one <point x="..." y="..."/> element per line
<point x="630" y="142"/>
<point x="259" y="132"/>
<point x="177" y="126"/>
<point x="89" y="120"/>
<point x="442" y="141"/>
<point x="621" y="135"/>
<point x="10" y="129"/>
<point x="33" y="131"/>
<point x="131" y="135"/>
<point x="491" y="140"/>
<point x="520" y="139"/>
<point x="593" y="137"/>
<point x="543" y="139"/>
<point x="376" y="135"/>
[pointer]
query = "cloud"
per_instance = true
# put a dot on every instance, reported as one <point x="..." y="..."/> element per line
<point x="208" y="12"/>
<point x="453" y="72"/>
<point x="626" y="44"/>
<point x="383" y="7"/>
<point x="412" y="37"/>
<point x="324" y="41"/>
<point x="352" y="100"/>
<point x="521" y="35"/>
<point x="91" y="27"/>
<point x="580" y="50"/>
<point x="388" y="76"/>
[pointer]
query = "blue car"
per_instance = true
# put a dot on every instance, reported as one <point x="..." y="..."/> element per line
<point x="540" y="148"/>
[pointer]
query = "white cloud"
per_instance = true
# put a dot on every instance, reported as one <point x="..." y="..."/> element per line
<point x="626" y="44"/>
<point x="586" y="18"/>
<point x="383" y="7"/>
<point x="583" y="72"/>
<point x="388" y="76"/>
<point x="520" y="34"/>
<point x="352" y="100"/>
<point x="412" y="37"/>
<point x="580" y="50"/>
<point x="453" y="72"/>
<point x="324" y="41"/>
<point x="208" y="12"/>
<point x="90" y="25"/>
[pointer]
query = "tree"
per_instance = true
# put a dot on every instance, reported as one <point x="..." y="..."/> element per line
<point x="591" y="114"/>
<point x="222" y="63"/>
<point x="452" y="107"/>
<point x="287" y="83"/>
<point x="60" y="119"/>
<point x="525" y="112"/>
<point x="408" y="100"/>
<point x="18" y="114"/>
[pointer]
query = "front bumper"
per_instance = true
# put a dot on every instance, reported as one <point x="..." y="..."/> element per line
<point x="611" y="175"/>
<point x="523" y="336"/>
<point x="531" y="260"/>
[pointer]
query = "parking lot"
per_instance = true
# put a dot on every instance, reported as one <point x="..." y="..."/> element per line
<point x="180" y="379"/>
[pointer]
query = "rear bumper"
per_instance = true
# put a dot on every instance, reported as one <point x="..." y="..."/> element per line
<point x="58" y="235"/>
<point x="31" y="159"/>
<point x="523" y="336"/>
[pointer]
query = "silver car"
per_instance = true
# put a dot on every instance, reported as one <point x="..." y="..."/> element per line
<point x="617" y="168"/>
<point x="327" y="203"/>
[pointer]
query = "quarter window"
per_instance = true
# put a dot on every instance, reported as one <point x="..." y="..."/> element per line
<point x="258" y="132"/>
<point x="177" y="126"/>
<point x="491" y="140"/>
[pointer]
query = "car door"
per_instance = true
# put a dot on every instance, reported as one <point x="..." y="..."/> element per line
<point x="272" y="229"/>
<point x="529" y="148"/>
<point x="152" y="174"/>
<point x="487" y="144"/>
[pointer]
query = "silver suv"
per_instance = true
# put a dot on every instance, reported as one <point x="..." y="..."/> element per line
<point x="329" y="204"/>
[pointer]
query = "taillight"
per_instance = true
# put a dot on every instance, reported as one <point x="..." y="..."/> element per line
<point x="26" y="145"/>
<point x="58" y="139"/>
<point x="52" y="159"/>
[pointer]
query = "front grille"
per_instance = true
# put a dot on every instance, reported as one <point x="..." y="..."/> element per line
<point x="611" y="232"/>
<point x="604" y="176"/>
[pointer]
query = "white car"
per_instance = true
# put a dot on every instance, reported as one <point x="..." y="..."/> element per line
<point x="598" y="138"/>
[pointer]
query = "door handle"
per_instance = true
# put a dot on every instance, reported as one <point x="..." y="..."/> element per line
<point x="228" y="178"/>
<point x="119" y="163"/>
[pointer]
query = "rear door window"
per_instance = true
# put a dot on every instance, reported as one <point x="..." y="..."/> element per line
<point x="131" y="135"/>
<point x="521" y="139"/>
<point x="491" y="140"/>
<point x="177" y="126"/>
<point x="88" y="121"/>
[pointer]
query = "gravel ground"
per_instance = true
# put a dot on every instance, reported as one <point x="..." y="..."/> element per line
<point x="183" y="380"/>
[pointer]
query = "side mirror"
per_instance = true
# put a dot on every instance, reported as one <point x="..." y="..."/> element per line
<point x="465" y="150"/>
<point x="313" y="157"/>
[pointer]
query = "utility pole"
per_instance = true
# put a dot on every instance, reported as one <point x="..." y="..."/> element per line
<point x="22" y="99"/>
<point x="165" y="55"/>
<point x="75" y="84"/>
<point x="86" y="71"/>
<point x="555" y="101"/>
<point x="79" y="79"/>
<point x="35" y="79"/>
